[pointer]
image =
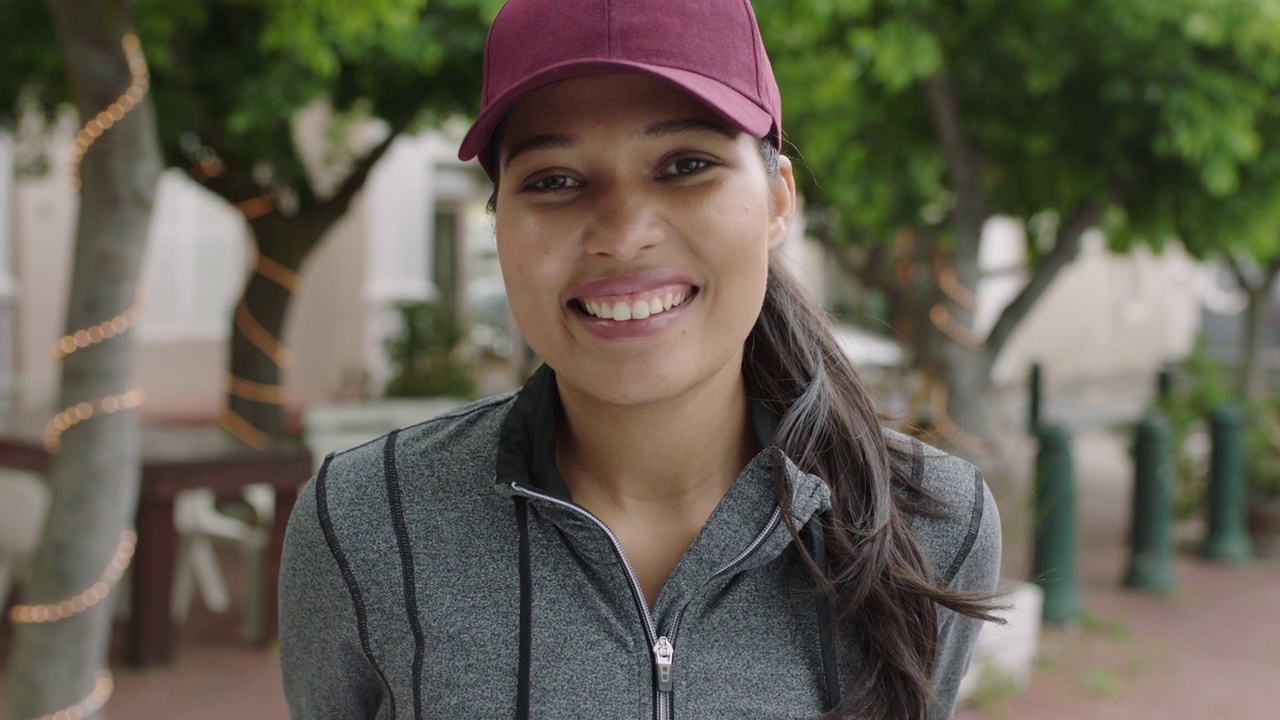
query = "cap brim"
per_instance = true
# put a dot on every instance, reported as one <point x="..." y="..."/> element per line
<point x="724" y="100"/>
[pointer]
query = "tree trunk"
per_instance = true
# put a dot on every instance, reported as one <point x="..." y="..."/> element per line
<point x="258" y="353"/>
<point x="966" y="369"/>
<point x="255" y="401"/>
<point x="1253" y="375"/>
<point x="95" y="475"/>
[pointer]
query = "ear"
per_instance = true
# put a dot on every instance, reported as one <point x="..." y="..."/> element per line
<point x="783" y="203"/>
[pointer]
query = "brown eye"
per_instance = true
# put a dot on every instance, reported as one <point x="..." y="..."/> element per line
<point x="685" y="166"/>
<point x="551" y="183"/>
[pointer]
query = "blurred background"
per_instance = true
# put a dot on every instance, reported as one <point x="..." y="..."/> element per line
<point x="234" y="236"/>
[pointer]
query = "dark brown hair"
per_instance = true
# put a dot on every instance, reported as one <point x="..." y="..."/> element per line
<point x="877" y="580"/>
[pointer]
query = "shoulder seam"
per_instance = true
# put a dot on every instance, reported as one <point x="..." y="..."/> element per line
<point x="395" y="501"/>
<point x="447" y="415"/>
<point x="357" y="599"/>
<point x="917" y="462"/>
<point x="971" y="535"/>
<point x="468" y="409"/>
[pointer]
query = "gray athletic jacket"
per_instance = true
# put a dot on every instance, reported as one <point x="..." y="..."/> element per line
<point x="443" y="572"/>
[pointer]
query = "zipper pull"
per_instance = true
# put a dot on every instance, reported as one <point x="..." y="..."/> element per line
<point x="662" y="652"/>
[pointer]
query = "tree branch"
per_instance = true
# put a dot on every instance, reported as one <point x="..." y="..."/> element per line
<point x="962" y="159"/>
<point x="330" y="210"/>
<point x="1238" y="271"/>
<point x="1065" y="249"/>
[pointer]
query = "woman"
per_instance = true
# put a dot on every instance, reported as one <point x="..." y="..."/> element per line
<point x="691" y="509"/>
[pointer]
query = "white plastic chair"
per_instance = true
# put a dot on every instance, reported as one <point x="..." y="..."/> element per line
<point x="198" y="522"/>
<point x="24" y="503"/>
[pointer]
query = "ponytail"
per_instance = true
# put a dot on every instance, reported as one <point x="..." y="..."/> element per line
<point x="877" y="579"/>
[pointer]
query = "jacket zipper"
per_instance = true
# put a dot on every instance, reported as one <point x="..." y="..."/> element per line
<point x="665" y="710"/>
<point x="663" y="647"/>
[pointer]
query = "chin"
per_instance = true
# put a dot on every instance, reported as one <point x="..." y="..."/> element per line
<point x="646" y="383"/>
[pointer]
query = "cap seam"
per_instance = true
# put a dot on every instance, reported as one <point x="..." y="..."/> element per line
<point x="754" y="29"/>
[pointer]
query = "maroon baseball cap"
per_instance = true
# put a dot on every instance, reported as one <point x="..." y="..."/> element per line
<point x="710" y="49"/>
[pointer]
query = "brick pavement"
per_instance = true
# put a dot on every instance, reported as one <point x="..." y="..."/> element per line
<point x="1209" y="651"/>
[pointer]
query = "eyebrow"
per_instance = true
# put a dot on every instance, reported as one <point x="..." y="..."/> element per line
<point x="538" y="142"/>
<point x="658" y="129"/>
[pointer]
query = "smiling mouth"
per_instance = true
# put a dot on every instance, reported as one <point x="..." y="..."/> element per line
<point x="634" y="307"/>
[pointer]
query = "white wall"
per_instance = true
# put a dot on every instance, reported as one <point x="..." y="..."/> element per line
<point x="1104" y="316"/>
<point x="198" y="247"/>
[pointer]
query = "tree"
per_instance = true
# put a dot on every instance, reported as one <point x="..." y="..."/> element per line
<point x="1241" y="229"/>
<point x="237" y="73"/>
<point x="922" y="119"/>
<point x="95" y="475"/>
<point x="229" y="78"/>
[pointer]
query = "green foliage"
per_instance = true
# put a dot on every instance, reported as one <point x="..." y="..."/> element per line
<point x="31" y="71"/>
<point x="1262" y="443"/>
<point x="229" y="75"/>
<point x="425" y="354"/>
<point x="1202" y="384"/>
<point x="1065" y="102"/>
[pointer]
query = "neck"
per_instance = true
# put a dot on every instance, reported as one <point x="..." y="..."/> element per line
<point x="676" y="455"/>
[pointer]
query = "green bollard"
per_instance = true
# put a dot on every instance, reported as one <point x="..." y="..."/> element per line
<point x="1036" y="391"/>
<point x="1151" y="564"/>
<point x="1164" y="382"/>
<point x="1227" y="539"/>
<point x="1054" y="556"/>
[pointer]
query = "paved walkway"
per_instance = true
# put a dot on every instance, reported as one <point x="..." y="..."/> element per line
<point x="1210" y="651"/>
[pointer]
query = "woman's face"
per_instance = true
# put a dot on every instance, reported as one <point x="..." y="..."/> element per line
<point x="634" y="229"/>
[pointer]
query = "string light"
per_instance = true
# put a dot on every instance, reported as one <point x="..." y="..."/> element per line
<point x="954" y="329"/>
<point x="956" y="290"/>
<point x="261" y="339"/>
<point x="254" y="208"/>
<point x="92" y="703"/>
<point x="81" y="412"/>
<point x="257" y="392"/>
<point x="63" y="421"/>
<point x="208" y="169"/>
<point x="105" y="120"/>
<point x="53" y="612"/>
<point x="277" y="272"/>
<point x="104" y="330"/>
<point x="972" y="444"/>
<point x="244" y="430"/>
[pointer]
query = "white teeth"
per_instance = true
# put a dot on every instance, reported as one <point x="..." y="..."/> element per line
<point x="637" y="310"/>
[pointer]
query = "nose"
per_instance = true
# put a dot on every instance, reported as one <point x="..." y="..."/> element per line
<point x="622" y="226"/>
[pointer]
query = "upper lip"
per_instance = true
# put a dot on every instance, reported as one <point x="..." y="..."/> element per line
<point x="629" y="284"/>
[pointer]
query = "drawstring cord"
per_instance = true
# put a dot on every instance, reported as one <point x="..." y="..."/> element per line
<point x="818" y="549"/>
<point x="526" y="610"/>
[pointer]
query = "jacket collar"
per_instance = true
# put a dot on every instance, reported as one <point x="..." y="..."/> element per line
<point x="526" y="445"/>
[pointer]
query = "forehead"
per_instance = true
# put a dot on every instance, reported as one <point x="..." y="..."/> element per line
<point x="572" y="107"/>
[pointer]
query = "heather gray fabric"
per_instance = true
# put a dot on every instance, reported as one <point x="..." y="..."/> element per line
<point x="399" y="593"/>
